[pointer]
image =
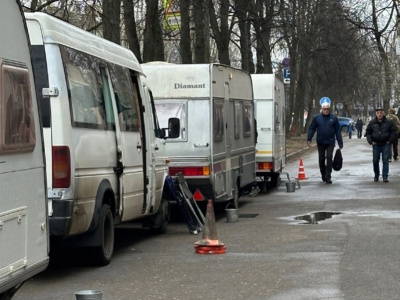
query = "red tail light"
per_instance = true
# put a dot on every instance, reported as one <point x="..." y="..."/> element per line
<point x="190" y="171"/>
<point x="61" y="167"/>
<point x="265" y="166"/>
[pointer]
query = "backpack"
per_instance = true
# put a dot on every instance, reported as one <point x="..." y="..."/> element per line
<point x="394" y="120"/>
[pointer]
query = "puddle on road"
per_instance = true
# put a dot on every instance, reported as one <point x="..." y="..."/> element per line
<point x="314" y="218"/>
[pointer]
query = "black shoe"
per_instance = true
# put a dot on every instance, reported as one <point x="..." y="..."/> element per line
<point x="376" y="179"/>
<point x="323" y="178"/>
<point x="328" y="181"/>
<point x="385" y="180"/>
<point x="396" y="158"/>
<point x="390" y="160"/>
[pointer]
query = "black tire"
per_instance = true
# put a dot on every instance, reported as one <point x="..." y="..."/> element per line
<point x="275" y="180"/>
<point x="7" y="295"/>
<point x="159" y="221"/>
<point x="105" y="250"/>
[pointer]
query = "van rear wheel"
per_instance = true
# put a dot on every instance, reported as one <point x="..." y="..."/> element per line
<point x="105" y="250"/>
<point x="159" y="221"/>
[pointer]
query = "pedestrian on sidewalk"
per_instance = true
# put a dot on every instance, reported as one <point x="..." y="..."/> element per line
<point x="350" y="129"/>
<point x="393" y="148"/>
<point x="326" y="124"/>
<point x="380" y="133"/>
<point x="359" y="127"/>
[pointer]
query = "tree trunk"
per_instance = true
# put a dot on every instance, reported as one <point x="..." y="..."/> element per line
<point x="242" y="11"/>
<point x="202" y="31"/>
<point x="130" y="29"/>
<point x="153" y="46"/>
<point x="111" y="20"/>
<point x="185" y="41"/>
<point x="221" y="33"/>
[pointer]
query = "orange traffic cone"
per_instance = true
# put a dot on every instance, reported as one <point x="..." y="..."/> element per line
<point x="210" y="243"/>
<point x="301" y="175"/>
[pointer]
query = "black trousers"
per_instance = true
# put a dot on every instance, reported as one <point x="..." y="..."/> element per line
<point x="325" y="156"/>
<point x="394" y="152"/>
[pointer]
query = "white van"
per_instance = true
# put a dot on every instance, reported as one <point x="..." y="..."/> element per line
<point x="101" y="136"/>
<point x="269" y="98"/>
<point x="23" y="205"/>
<point x="215" y="150"/>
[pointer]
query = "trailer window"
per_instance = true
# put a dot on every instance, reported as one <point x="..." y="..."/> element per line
<point x="247" y="119"/>
<point x="85" y="83"/>
<point x="237" y="114"/>
<point x="126" y="97"/>
<point x="172" y="110"/>
<point x="218" y="123"/>
<point x="17" y="127"/>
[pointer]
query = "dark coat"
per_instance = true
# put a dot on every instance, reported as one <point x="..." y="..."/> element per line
<point x="381" y="132"/>
<point x="327" y="128"/>
<point x="359" y="125"/>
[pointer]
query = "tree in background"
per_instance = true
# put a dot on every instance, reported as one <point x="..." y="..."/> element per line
<point x="344" y="52"/>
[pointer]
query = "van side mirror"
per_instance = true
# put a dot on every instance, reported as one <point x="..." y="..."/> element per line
<point x="174" y="128"/>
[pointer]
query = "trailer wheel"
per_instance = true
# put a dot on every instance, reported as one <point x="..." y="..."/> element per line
<point x="104" y="251"/>
<point x="275" y="180"/>
<point x="159" y="221"/>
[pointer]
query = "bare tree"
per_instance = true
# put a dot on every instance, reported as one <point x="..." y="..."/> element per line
<point x="153" y="47"/>
<point x="130" y="28"/>
<point x="221" y="29"/>
<point x="242" y="10"/>
<point x="378" y="19"/>
<point x="185" y="39"/>
<point x="202" y="31"/>
<point x="111" y="20"/>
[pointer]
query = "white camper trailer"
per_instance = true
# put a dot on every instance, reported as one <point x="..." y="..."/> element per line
<point x="101" y="136"/>
<point x="215" y="150"/>
<point x="23" y="206"/>
<point x="269" y="98"/>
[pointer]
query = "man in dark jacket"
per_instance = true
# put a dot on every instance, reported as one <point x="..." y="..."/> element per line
<point x="327" y="127"/>
<point x="380" y="133"/>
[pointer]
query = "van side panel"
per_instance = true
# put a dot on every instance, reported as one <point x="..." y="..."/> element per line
<point x="23" y="204"/>
<point x="100" y="145"/>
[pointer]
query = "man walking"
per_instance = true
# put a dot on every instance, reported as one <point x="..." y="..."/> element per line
<point x="381" y="133"/>
<point x="393" y="148"/>
<point x="359" y="127"/>
<point x="327" y="127"/>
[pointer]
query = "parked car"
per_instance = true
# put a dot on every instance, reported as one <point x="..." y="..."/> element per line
<point x="344" y="123"/>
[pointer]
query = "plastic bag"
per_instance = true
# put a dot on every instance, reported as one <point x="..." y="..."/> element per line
<point x="337" y="160"/>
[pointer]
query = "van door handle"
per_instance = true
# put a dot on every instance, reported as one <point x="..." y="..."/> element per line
<point x="139" y="147"/>
<point x="156" y="148"/>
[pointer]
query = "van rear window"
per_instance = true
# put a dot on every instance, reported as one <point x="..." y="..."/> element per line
<point x="17" y="126"/>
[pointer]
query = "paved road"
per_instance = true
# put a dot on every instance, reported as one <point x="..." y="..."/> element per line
<point x="270" y="254"/>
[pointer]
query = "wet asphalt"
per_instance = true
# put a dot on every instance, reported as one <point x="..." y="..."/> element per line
<point x="349" y="250"/>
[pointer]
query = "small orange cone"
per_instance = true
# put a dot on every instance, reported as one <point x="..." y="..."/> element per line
<point x="210" y="243"/>
<point x="301" y="175"/>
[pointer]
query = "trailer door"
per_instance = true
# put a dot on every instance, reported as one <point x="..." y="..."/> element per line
<point x="229" y="109"/>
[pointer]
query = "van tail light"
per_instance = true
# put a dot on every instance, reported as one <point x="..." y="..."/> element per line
<point x="61" y="167"/>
